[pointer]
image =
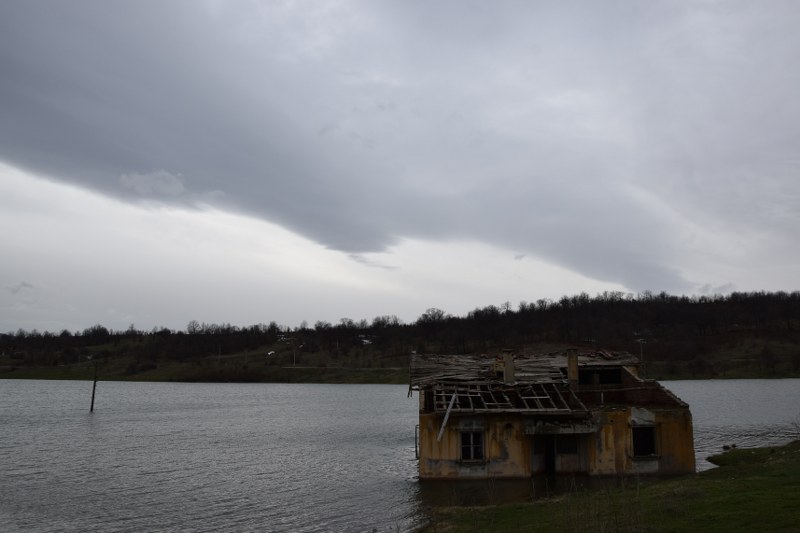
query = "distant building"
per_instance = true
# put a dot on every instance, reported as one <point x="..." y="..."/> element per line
<point x="556" y="413"/>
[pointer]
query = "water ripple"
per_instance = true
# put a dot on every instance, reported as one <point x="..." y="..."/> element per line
<point x="309" y="458"/>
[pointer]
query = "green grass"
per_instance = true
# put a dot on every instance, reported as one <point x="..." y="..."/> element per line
<point x="752" y="490"/>
<point x="736" y="358"/>
<point x="55" y="372"/>
<point x="212" y="369"/>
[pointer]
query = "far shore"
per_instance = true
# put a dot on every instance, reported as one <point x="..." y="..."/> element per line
<point x="212" y="371"/>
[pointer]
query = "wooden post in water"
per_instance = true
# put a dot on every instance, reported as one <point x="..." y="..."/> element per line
<point x="94" y="387"/>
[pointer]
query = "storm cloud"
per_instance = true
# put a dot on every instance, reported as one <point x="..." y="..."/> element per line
<point x="624" y="141"/>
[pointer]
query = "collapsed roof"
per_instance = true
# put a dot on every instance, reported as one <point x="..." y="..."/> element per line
<point x="477" y="383"/>
<point x="528" y="369"/>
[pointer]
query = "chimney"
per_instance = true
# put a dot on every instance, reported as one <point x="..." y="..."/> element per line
<point x="508" y="367"/>
<point x="572" y="368"/>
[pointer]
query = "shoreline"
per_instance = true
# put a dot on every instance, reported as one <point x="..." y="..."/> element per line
<point x="750" y="489"/>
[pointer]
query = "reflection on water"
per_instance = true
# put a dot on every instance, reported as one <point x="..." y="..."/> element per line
<point x="441" y="493"/>
<point x="451" y="493"/>
<point x="203" y="457"/>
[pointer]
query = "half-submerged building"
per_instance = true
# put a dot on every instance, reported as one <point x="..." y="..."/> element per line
<point x="556" y="413"/>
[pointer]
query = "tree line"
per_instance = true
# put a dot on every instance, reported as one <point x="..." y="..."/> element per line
<point x="667" y="327"/>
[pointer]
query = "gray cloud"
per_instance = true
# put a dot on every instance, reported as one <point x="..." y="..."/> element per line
<point x="721" y="289"/>
<point x="18" y="287"/>
<point x="358" y="258"/>
<point x="159" y="182"/>
<point x="526" y="125"/>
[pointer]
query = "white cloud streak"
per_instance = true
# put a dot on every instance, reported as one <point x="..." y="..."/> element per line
<point x="101" y="260"/>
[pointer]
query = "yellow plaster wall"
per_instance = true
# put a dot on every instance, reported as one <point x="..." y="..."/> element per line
<point x="506" y="447"/>
<point x="675" y="441"/>
<point x="612" y="452"/>
<point x="508" y="450"/>
<point x="607" y="455"/>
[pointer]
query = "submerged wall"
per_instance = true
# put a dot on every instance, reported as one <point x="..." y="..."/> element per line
<point x="624" y="440"/>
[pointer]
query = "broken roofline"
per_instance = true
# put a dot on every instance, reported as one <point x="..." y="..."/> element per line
<point x="534" y="398"/>
<point x="528" y="369"/>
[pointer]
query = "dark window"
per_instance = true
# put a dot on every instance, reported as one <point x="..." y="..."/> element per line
<point x="606" y="376"/>
<point x="644" y="441"/>
<point x="567" y="444"/>
<point x="585" y="377"/>
<point x="472" y="445"/>
<point x="610" y="376"/>
<point x="428" y="405"/>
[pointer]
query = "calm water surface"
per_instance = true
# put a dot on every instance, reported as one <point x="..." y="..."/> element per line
<point x="205" y="457"/>
<point x="266" y="457"/>
<point x="744" y="412"/>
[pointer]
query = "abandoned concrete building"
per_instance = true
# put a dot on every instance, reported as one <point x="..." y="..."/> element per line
<point x="556" y="413"/>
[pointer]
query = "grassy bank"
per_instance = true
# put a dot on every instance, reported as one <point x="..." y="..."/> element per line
<point x="752" y="490"/>
<point x="732" y="358"/>
<point x="145" y="359"/>
<point x="153" y="358"/>
<point x="230" y="370"/>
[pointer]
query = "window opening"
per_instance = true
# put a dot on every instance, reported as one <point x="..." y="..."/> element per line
<point x="471" y="445"/>
<point x="610" y="376"/>
<point x="428" y="405"/>
<point x="644" y="441"/>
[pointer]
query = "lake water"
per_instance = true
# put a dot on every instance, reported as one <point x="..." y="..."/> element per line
<point x="741" y="412"/>
<point x="266" y="457"/>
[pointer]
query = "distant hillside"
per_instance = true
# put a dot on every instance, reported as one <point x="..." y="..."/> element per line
<point x="740" y="335"/>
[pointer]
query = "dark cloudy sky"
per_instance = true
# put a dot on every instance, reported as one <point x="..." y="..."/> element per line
<point x="244" y="161"/>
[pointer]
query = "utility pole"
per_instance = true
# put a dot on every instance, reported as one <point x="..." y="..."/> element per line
<point x="641" y="354"/>
<point x="294" y="352"/>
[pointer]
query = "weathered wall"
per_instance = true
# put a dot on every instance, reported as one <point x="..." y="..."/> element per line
<point x="510" y="452"/>
<point x="612" y="452"/>
<point x="676" y="441"/>
<point x="507" y="449"/>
